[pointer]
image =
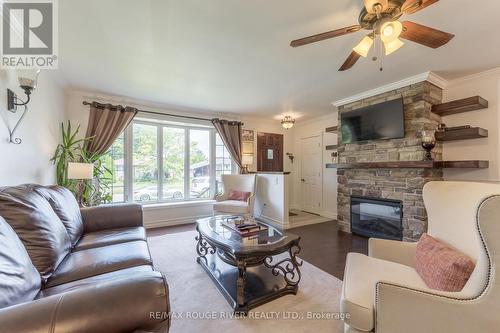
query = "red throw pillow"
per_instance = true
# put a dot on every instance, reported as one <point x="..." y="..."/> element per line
<point x="441" y="267"/>
<point x="239" y="195"/>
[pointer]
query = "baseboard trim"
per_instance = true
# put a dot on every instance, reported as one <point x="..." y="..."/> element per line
<point x="304" y="223"/>
<point x="274" y="222"/>
<point x="173" y="222"/>
<point x="330" y="215"/>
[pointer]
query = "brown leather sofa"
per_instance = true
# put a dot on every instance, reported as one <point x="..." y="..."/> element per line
<point x="63" y="269"/>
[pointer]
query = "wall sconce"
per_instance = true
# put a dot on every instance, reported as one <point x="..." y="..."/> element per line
<point x="290" y="156"/>
<point x="27" y="81"/>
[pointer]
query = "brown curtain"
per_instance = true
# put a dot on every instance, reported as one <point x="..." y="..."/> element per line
<point x="106" y="123"/>
<point x="230" y="133"/>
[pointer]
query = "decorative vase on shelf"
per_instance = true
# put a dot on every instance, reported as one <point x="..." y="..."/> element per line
<point x="428" y="143"/>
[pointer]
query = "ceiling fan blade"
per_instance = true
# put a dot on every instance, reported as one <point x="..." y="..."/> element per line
<point x="413" y="6"/>
<point x="424" y="35"/>
<point x="351" y="61"/>
<point x="325" y="35"/>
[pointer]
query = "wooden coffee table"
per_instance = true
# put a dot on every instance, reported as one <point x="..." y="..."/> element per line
<point x="249" y="271"/>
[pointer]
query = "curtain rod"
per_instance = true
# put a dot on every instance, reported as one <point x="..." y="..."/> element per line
<point x="152" y="112"/>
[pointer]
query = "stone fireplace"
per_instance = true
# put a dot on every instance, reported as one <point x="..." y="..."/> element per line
<point x="399" y="184"/>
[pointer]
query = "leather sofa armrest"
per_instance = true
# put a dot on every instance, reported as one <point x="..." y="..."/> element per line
<point x="136" y="303"/>
<point x="111" y="217"/>
<point x="395" y="251"/>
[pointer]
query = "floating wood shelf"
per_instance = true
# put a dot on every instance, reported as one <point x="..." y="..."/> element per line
<point x="462" y="134"/>
<point x="475" y="164"/>
<point x="459" y="106"/>
<point x="331" y="166"/>
<point x="331" y="147"/>
<point x="333" y="129"/>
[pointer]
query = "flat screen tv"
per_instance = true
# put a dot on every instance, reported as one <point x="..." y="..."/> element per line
<point x="376" y="122"/>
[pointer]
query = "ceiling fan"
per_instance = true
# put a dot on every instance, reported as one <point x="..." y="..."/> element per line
<point x="381" y="18"/>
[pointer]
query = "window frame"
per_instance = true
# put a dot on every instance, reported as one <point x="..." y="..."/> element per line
<point x="160" y="125"/>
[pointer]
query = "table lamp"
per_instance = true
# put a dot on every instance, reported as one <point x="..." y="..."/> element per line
<point x="80" y="172"/>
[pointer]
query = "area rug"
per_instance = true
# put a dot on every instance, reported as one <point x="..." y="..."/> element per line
<point x="198" y="306"/>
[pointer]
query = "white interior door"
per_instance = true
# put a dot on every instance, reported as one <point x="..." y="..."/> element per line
<point x="311" y="175"/>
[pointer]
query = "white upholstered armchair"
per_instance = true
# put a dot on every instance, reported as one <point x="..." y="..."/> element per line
<point x="242" y="183"/>
<point x="383" y="292"/>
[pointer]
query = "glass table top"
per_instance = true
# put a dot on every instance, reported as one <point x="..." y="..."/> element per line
<point x="215" y="229"/>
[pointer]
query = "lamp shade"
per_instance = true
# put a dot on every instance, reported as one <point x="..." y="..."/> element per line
<point x="28" y="78"/>
<point x="364" y="46"/>
<point x="80" y="170"/>
<point x="247" y="159"/>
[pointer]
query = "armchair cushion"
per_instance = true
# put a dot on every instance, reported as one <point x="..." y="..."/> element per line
<point x="441" y="267"/>
<point x="239" y="195"/>
<point x="362" y="273"/>
<point x="232" y="207"/>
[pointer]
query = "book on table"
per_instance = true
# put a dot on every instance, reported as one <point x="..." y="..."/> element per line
<point x="243" y="227"/>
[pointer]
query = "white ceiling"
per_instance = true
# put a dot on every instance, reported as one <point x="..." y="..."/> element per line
<point x="234" y="55"/>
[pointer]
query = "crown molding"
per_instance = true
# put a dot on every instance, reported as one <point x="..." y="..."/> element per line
<point x="427" y="76"/>
<point x="480" y="75"/>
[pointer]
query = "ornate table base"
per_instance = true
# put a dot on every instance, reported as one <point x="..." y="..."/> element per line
<point x="250" y="280"/>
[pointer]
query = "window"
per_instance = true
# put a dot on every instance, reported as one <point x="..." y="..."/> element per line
<point x="145" y="162"/>
<point x="174" y="150"/>
<point x="199" y="164"/>
<point x="223" y="162"/>
<point x="164" y="162"/>
<point x="115" y="164"/>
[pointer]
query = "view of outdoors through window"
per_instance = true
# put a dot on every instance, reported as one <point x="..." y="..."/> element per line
<point x="199" y="157"/>
<point x="145" y="162"/>
<point x="173" y="163"/>
<point x="223" y="162"/>
<point x="115" y="162"/>
<point x="183" y="154"/>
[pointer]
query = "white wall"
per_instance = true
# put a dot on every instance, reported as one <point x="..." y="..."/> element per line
<point x="486" y="85"/>
<point x="272" y="199"/>
<point x="29" y="162"/>
<point x="316" y="127"/>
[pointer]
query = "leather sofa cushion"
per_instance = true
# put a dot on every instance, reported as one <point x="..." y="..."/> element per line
<point x="86" y="263"/>
<point x="78" y="284"/>
<point x="118" y="305"/>
<point x="41" y="231"/>
<point x="19" y="279"/>
<point x="362" y="273"/>
<point x="66" y="207"/>
<point x="110" y="237"/>
<point x="231" y="206"/>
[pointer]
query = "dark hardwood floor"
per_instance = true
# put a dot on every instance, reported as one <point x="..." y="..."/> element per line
<point x="323" y="245"/>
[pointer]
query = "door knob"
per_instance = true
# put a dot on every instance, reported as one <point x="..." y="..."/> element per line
<point x="302" y="180"/>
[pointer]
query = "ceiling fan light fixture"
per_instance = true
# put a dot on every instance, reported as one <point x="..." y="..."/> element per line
<point x="390" y="31"/>
<point x="393" y="46"/>
<point x="364" y="46"/>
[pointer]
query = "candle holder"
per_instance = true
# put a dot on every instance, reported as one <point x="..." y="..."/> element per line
<point x="428" y="143"/>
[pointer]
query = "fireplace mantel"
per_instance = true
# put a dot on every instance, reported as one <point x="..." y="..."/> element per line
<point x="472" y="164"/>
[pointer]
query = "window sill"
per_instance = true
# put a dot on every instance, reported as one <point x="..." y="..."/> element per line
<point x="163" y="205"/>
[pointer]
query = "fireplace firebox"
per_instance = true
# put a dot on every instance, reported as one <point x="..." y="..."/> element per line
<point x="377" y="218"/>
